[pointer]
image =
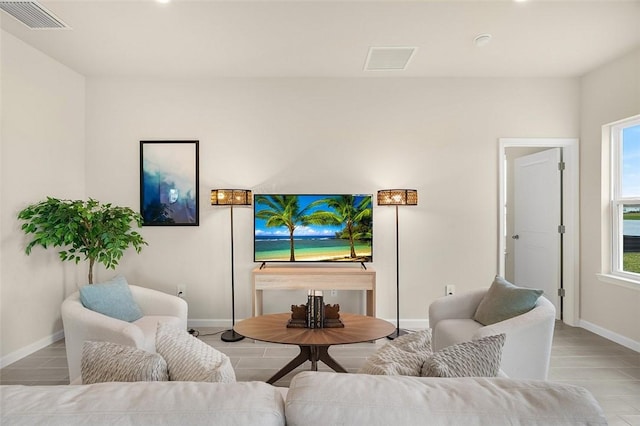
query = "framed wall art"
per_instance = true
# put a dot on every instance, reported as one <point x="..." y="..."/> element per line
<point x="169" y="183"/>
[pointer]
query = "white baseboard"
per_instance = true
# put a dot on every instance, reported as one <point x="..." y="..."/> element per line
<point x="607" y="334"/>
<point x="28" y="350"/>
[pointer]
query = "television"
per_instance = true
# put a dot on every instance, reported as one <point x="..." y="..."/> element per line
<point x="313" y="228"/>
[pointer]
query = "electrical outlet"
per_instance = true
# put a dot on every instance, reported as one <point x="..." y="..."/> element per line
<point x="181" y="290"/>
<point x="334" y="292"/>
<point x="449" y="289"/>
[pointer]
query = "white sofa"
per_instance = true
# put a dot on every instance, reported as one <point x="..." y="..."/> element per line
<point x="527" y="348"/>
<point x="82" y="324"/>
<point x="314" y="398"/>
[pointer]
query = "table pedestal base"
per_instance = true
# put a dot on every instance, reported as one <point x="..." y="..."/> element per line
<point x="308" y="353"/>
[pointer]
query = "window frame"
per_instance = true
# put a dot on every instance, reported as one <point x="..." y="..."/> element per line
<point x="617" y="201"/>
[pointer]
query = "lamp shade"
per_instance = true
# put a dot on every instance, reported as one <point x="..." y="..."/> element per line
<point x="397" y="197"/>
<point x="226" y="197"/>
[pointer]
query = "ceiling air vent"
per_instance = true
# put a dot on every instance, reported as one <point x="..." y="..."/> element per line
<point x="32" y="14"/>
<point x="388" y="58"/>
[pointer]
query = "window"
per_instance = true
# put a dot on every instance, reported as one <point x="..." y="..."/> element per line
<point x="625" y="200"/>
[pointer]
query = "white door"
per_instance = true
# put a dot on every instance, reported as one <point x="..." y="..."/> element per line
<point x="537" y="216"/>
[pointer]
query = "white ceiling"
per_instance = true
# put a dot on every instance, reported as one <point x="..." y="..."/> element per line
<point x="189" y="38"/>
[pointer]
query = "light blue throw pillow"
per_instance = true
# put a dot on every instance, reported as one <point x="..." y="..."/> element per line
<point x="112" y="298"/>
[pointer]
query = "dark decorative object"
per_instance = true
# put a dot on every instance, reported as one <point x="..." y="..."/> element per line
<point x="169" y="183"/>
<point x="298" y="317"/>
<point x="332" y="316"/>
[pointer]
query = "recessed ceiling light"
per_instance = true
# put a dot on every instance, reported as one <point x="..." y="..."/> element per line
<point x="482" y="40"/>
<point x="163" y="1"/>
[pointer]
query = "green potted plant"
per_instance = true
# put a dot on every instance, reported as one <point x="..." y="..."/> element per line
<point x="85" y="230"/>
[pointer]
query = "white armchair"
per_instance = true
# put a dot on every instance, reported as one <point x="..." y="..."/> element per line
<point x="82" y="324"/>
<point x="527" y="348"/>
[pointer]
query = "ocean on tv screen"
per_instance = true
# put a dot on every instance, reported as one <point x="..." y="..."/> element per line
<point x="313" y="228"/>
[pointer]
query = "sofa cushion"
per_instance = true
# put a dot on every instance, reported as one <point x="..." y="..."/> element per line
<point x="403" y="356"/>
<point x="190" y="359"/>
<point x="504" y="300"/>
<point x="143" y="404"/>
<point x="322" y="398"/>
<point x="110" y="362"/>
<point x="112" y="298"/>
<point x="477" y="358"/>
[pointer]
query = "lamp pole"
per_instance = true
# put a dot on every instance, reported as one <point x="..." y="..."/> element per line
<point x="229" y="197"/>
<point x="398" y="332"/>
<point x="231" y="335"/>
<point x="397" y="197"/>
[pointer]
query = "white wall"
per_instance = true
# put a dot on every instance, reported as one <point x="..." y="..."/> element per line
<point x="43" y="153"/>
<point x="439" y="136"/>
<point x="608" y="94"/>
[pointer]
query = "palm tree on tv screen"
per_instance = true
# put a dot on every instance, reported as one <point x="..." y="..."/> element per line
<point x="284" y="210"/>
<point x="354" y="213"/>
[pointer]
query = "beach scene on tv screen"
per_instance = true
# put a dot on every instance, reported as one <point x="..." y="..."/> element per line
<point x="313" y="228"/>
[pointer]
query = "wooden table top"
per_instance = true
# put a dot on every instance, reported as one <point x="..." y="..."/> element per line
<point x="273" y="328"/>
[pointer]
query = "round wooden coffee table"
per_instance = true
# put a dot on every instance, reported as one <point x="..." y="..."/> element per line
<point x="314" y="343"/>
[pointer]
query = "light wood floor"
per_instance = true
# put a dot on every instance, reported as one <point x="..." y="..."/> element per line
<point x="610" y="371"/>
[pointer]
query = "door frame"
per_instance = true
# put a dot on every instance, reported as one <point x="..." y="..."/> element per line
<point x="570" y="208"/>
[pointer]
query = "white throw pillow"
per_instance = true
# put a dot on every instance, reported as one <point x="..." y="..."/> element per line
<point x="403" y="356"/>
<point x="189" y="359"/>
<point x="110" y="362"/>
<point x="477" y="358"/>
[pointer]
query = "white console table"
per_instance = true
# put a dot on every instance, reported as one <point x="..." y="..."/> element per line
<point x="304" y="278"/>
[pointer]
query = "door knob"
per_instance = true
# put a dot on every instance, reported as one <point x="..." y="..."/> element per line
<point x="516" y="237"/>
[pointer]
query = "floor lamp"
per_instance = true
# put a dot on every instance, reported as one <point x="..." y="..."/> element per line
<point x="397" y="197"/>
<point x="231" y="197"/>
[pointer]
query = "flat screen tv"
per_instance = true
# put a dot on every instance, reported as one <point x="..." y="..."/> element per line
<point x="313" y="228"/>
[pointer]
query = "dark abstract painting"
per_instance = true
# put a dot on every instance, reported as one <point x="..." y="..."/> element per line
<point x="169" y="183"/>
